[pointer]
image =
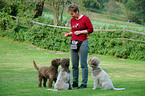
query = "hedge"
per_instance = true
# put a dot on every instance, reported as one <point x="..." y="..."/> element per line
<point x="120" y="44"/>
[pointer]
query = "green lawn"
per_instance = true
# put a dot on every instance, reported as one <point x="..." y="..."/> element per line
<point x="19" y="78"/>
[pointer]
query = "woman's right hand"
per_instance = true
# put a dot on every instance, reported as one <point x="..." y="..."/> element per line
<point x="65" y="34"/>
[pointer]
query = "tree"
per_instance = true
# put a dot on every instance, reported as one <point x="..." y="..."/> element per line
<point x="39" y="8"/>
<point x="91" y="4"/>
<point x="58" y="9"/>
<point x="136" y="11"/>
<point x="110" y="7"/>
<point x="102" y="2"/>
<point x="140" y="10"/>
<point x="16" y="12"/>
<point x="59" y="5"/>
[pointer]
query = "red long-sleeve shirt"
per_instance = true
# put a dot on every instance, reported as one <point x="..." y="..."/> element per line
<point x="83" y="23"/>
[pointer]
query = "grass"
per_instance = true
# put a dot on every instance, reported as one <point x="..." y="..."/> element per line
<point x="19" y="78"/>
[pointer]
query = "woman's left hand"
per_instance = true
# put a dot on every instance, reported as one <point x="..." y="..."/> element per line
<point x="77" y="32"/>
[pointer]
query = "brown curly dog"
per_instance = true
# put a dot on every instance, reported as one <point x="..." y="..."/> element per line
<point x="46" y="72"/>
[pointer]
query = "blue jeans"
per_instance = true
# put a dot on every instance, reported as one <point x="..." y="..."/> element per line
<point x="81" y="55"/>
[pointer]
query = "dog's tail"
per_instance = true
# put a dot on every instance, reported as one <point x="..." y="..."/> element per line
<point x="36" y="67"/>
<point x="118" y="88"/>
<point x="52" y="89"/>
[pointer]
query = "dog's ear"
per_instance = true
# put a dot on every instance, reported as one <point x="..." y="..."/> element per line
<point x="89" y="61"/>
<point x="58" y="60"/>
<point x="67" y="61"/>
<point x="97" y="61"/>
<point x="94" y="61"/>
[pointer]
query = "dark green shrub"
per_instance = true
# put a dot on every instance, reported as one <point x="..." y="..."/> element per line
<point x="137" y="55"/>
<point x="115" y="43"/>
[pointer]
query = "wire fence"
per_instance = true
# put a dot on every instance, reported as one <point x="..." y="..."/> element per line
<point x="98" y="30"/>
<point x="94" y="29"/>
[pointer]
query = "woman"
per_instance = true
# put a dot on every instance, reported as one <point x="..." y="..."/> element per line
<point x="81" y="26"/>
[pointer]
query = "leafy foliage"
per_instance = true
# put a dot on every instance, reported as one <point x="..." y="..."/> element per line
<point x="91" y="4"/>
<point x="119" y="43"/>
<point x="136" y="12"/>
<point x="24" y="12"/>
<point x="132" y="10"/>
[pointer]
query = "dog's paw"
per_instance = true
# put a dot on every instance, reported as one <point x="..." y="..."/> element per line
<point x="94" y="88"/>
<point x="71" y="88"/>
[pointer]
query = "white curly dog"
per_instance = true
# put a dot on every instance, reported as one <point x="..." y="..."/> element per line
<point x="99" y="76"/>
<point x="64" y="77"/>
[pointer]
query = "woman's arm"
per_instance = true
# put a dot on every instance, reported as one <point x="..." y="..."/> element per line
<point x="70" y="33"/>
<point x="89" y="26"/>
<point x="81" y="32"/>
<point x="67" y="34"/>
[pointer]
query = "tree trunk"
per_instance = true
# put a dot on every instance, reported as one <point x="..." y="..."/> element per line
<point x="39" y="8"/>
<point x="55" y="16"/>
<point x="61" y="18"/>
<point x="56" y="11"/>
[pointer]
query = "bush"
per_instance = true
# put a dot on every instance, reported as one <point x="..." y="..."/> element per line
<point x="53" y="39"/>
<point x="119" y="43"/>
<point x="91" y="4"/>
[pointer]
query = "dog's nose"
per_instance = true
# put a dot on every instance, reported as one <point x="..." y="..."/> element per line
<point x="92" y="65"/>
